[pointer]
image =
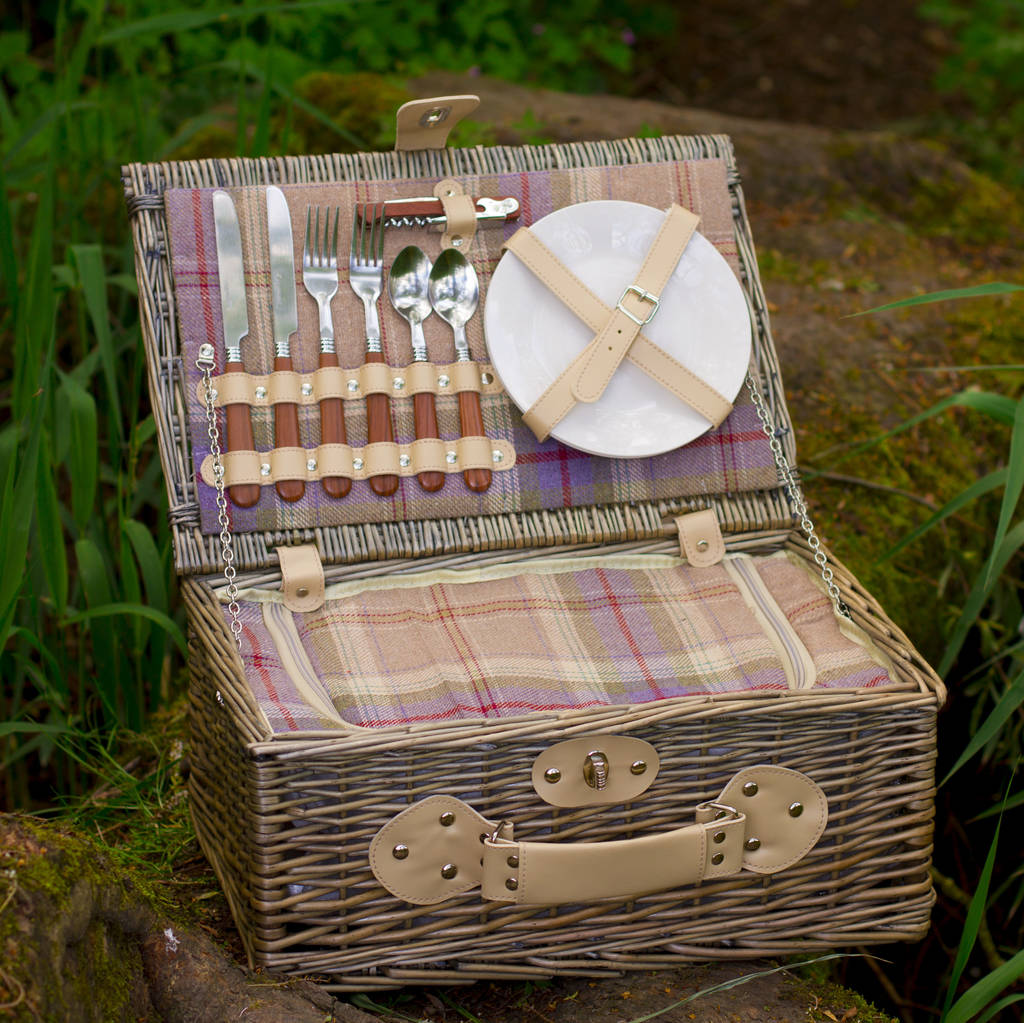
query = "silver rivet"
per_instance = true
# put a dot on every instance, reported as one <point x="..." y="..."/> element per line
<point x="307" y="389"/>
<point x="795" y="809"/>
<point x="302" y="591"/>
<point x="451" y="457"/>
<point x="218" y="470"/>
<point x="513" y="860"/>
<point x="213" y="394"/>
<point x="511" y="884"/>
<point x="447" y="819"/>
<point x="638" y="767"/>
<point x="443" y="380"/>
<point x="400" y="852"/>
<point x="265" y="469"/>
<point x="398" y="383"/>
<point x="702" y="545"/>
<point x="752" y="844"/>
<point x="497" y="456"/>
<point x="219" y="698"/>
<point x="552" y="774"/>
<point x="261" y="393"/>
<point x="750" y="789"/>
<point x="206" y="351"/>
<point x="717" y="858"/>
<point x="448" y="871"/>
<point x="353" y="385"/>
<point x="719" y="837"/>
<point x="404" y="460"/>
<point x="457" y="241"/>
<point x="721" y="814"/>
<point x="311" y="464"/>
<point x="357" y="463"/>
<point x="486" y="378"/>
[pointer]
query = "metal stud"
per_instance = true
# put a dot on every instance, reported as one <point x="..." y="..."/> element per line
<point x="443" y="380"/>
<point x="638" y="767"/>
<point x="311" y="464"/>
<point x="752" y="844"/>
<point x="448" y="871"/>
<point x="511" y="884"/>
<point x="404" y="461"/>
<point x="353" y="385"/>
<point x="307" y="389"/>
<point x="497" y="456"/>
<point x="398" y="383"/>
<point x="718" y="837"/>
<point x="552" y="774"/>
<point x="357" y="463"/>
<point x="750" y="789"/>
<point x="795" y="809"/>
<point x="447" y="819"/>
<point x="264" y="468"/>
<point x="301" y="592"/>
<point x="451" y="457"/>
<point x="513" y="860"/>
<point x="486" y="378"/>
<point x="702" y="545"/>
<point x="400" y="852"/>
<point x="718" y="858"/>
<point x="206" y="351"/>
<point x="261" y="393"/>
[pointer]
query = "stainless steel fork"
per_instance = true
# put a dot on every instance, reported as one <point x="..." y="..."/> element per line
<point x="366" y="276"/>
<point x="320" y="277"/>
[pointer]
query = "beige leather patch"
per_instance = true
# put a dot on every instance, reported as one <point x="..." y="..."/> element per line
<point x="623" y="767"/>
<point x="425" y="123"/>
<point x="786" y="814"/>
<point x="431" y="851"/>
<point x="459" y="215"/>
<point x="700" y="538"/>
<point x="302" y="578"/>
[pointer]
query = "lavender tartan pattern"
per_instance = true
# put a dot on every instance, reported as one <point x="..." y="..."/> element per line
<point x="733" y="458"/>
<point x="595" y="636"/>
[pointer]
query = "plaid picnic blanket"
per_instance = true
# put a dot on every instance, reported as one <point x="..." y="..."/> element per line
<point x="732" y="458"/>
<point x="563" y="634"/>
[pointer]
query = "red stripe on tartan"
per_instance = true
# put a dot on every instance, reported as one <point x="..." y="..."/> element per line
<point x="633" y="645"/>
<point x="268" y="680"/>
<point x="448" y="618"/>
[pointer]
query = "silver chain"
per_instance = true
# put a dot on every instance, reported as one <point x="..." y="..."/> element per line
<point x="205" y="365"/>
<point x="796" y="497"/>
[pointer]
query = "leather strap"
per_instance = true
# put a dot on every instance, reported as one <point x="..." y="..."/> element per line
<point x="302" y="577"/>
<point x="700" y="538"/>
<point x="425" y="123"/>
<point x="559" y="398"/>
<point x="459" y="215"/>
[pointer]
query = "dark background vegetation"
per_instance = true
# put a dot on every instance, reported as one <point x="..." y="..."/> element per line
<point x="91" y="632"/>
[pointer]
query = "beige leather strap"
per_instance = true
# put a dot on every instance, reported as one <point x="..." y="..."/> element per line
<point x="700" y="538"/>
<point x="556" y="401"/>
<point x="425" y="123"/>
<point x="459" y="215"/>
<point x="302" y="577"/>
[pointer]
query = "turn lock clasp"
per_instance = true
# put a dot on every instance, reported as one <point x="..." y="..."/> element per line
<point x="595" y="769"/>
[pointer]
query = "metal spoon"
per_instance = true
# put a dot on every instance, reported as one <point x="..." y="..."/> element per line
<point x="454" y="294"/>
<point x="407" y="289"/>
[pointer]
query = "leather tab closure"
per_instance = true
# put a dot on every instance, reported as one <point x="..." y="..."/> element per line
<point x="302" y="578"/>
<point x="459" y="215"/>
<point x="700" y="538"/>
<point x="426" y="123"/>
<point x="565" y="774"/>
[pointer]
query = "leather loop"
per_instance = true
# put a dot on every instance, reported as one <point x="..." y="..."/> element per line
<point x="459" y="215"/>
<point x="465" y="376"/>
<point x="425" y="123"/>
<point x="335" y="460"/>
<point x="381" y="459"/>
<point x="328" y="382"/>
<point x="376" y="378"/>
<point x="700" y="538"/>
<point x="302" y="578"/>
<point x="239" y="467"/>
<point x="232" y="389"/>
<point x="284" y="387"/>
<point x="420" y="378"/>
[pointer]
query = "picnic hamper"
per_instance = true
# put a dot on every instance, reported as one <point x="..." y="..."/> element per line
<point x="607" y="713"/>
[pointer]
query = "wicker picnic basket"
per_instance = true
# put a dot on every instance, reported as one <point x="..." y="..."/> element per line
<point x="465" y="656"/>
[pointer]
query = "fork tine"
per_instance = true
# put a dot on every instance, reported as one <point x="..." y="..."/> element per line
<point x="334" y="239"/>
<point x="305" y="243"/>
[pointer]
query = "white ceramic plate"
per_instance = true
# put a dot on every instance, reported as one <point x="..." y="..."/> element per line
<point x="702" y="321"/>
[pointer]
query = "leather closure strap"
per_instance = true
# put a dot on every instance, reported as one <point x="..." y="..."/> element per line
<point x="700" y="538"/>
<point x="459" y="215"/>
<point x="559" y="398"/>
<point x="425" y="123"/>
<point x="302" y="578"/>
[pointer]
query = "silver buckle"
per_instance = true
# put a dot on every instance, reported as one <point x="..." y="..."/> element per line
<point x="644" y="296"/>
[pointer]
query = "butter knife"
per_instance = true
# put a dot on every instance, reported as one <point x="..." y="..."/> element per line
<point x="286" y="322"/>
<point x="231" y="280"/>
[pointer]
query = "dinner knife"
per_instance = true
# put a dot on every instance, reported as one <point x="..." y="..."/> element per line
<point x="286" y="322"/>
<point x="231" y="281"/>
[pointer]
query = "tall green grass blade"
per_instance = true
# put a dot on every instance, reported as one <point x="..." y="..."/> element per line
<point x="997" y="1009"/>
<point x="47" y="119"/>
<point x="32" y="728"/>
<point x="50" y="532"/>
<point x="123" y="608"/>
<point x="18" y="499"/>
<point x="154" y="576"/>
<point x="992" y="481"/>
<point x="79" y="407"/>
<point x="990" y="727"/>
<point x="88" y="261"/>
<point x="1014" y="485"/>
<point x="977" y="291"/>
<point x="1011" y="803"/>
<point x="8" y="252"/>
<point x="92" y="572"/>
<point x="976" y="998"/>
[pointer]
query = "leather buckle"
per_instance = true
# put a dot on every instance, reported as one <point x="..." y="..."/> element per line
<point x="644" y="296"/>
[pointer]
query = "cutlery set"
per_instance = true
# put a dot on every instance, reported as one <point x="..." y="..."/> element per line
<point x="416" y="287"/>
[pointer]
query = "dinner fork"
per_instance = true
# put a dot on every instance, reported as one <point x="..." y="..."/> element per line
<point x="366" y="276"/>
<point x="320" y="277"/>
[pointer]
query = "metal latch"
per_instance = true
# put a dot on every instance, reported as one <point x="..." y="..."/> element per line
<point x="595" y="769"/>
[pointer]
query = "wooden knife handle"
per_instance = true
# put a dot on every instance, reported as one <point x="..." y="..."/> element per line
<point x="472" y="419"/>
<point x="378" y="428"/>
<point x="425" y="411"/>
<point x="286" y="435"/>
<point x="332" y="431"/>
<point x="239" y="438"/>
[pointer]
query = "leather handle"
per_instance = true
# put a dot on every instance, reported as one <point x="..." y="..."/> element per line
<point x="425" y="413"/>
<point x="471" y="419"/>
<point x="378" y="428"/>
<point x="286" y="435"/>
<point x="332" y="431"/>
<point x="239" y="438"/>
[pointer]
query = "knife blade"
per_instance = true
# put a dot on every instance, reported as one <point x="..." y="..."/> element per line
<point x="231" y="282"/>
<point x="286" y="322"/>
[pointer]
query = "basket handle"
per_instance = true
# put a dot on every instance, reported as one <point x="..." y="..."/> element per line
<point x="766" y="819"/>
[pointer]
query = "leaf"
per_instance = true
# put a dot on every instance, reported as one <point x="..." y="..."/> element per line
<point x="1014" y="485"/>
<point x="977" y="291"/>
<point x="92" y="573"/>
<point x="140" y="610"/>
<point x="977" y="997"/>
<point x="16" y="503"/>
<point x="989" y="728"/>
<point x="50" y="533"/>
<point x="83" y="453"/>
<point x="32" y="728"/>
<point x="154" y="576"/>
<point x="994" y="1010"/>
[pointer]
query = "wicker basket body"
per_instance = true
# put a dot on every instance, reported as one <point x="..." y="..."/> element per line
<point x="286" y="819"/>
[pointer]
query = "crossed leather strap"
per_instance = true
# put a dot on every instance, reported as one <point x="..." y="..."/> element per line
<point x="618" y="331"/>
